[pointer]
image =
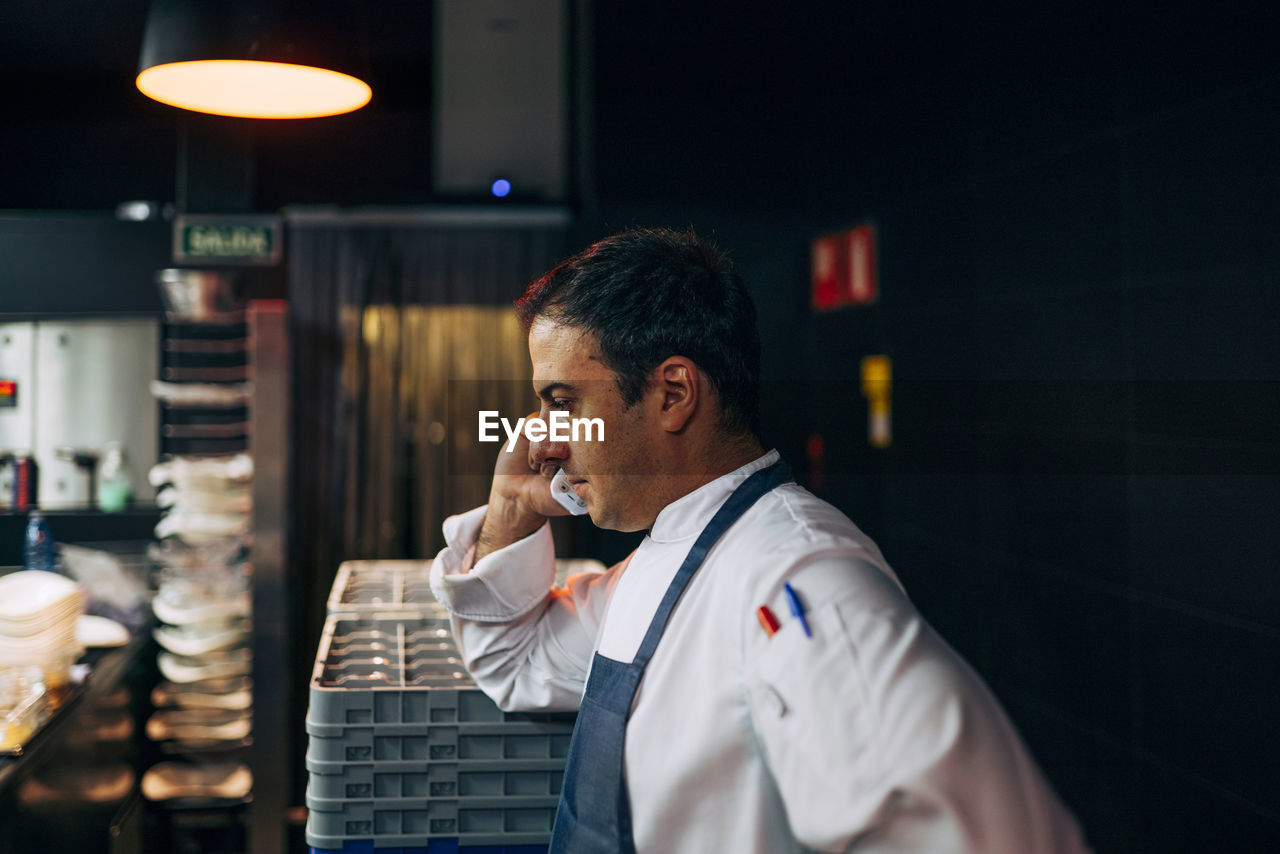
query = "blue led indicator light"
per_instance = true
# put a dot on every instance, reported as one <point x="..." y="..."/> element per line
<point x="501" y="187"/>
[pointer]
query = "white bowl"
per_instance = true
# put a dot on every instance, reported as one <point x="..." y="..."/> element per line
<point x="31" y="594"/>
<point x="93" y="631"/>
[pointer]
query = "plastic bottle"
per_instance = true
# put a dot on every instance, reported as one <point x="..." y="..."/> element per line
<point x="115" y="486"/>
<point x="38" y="548"/>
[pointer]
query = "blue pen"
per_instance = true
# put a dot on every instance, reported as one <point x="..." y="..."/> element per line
<point x="797" y="610"/>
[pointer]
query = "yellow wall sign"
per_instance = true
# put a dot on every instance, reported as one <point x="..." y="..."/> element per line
<point x="877" y="388"/>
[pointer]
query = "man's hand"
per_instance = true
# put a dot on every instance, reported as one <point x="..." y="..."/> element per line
<point x="520" y="499"/>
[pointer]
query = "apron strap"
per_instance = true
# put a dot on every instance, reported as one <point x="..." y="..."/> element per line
<point x="739" y="502"/>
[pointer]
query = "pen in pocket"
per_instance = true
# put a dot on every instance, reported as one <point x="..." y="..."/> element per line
<point x="797" y="610"/>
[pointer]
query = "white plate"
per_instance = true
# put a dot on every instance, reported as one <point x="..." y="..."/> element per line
<point x="201" y="394"/>
<point x="186" y="642"/>
<point x="177" y="669"/>
<point x="99" y="631"/>
<point x="169" y="780"/>
<point x="174" y="610"/>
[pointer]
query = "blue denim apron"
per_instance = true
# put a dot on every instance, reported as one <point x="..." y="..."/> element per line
<point x="594" y="816"/>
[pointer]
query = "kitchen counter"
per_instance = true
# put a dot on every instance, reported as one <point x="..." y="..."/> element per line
<point x="84" y="761"/>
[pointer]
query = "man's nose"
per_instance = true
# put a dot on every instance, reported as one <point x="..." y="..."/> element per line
<point x="547" y="451"/>
<point x="543" y="451"/>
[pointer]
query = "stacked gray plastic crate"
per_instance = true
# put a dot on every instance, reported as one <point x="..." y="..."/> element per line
<point x="404" y="751"/>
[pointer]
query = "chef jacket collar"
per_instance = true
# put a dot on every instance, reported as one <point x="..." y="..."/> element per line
<point x="688" y="515"/>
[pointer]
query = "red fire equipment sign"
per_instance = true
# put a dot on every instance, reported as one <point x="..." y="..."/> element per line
<point x="844" y="269"/>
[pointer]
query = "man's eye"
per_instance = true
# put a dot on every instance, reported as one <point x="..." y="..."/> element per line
<point x="560" y="403"/>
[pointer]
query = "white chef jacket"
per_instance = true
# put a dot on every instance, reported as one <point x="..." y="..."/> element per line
<point x="871" y="736"/>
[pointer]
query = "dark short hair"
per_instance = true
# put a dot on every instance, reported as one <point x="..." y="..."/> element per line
<point x="650" y="294"/>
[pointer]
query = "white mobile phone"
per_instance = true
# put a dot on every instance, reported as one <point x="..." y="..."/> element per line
<point x="562" y="491"/>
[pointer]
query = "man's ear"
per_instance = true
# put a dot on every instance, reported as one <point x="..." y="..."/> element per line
<point x="678" y="380"/>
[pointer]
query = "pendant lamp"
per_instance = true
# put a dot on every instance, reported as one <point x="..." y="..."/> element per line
<point x="263" y="59"/>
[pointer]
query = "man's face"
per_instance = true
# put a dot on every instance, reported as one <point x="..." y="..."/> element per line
<point x="614" y="476"/>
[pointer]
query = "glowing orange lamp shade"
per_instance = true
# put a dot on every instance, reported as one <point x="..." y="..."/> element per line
<point x="260" y="59"/>
<point x="254" y="89"/>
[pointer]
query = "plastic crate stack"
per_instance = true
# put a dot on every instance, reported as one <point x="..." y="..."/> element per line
<point x="404" y="751"/>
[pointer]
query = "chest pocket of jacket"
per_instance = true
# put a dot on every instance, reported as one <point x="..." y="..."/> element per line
<point x="814" y="721"/>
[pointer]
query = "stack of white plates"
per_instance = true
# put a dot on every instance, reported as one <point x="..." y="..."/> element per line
<point x="203" y="603"/>
<point x="38" y="612"/>
<point x="206" y="615"/>
<point x="206" y="500"/>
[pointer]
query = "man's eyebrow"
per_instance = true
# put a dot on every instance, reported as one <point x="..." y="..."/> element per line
<point x="546" y="391"/>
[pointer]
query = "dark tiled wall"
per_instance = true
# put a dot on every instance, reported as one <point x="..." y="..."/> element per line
<point x="1088" y="505"/>
<point x="1080" y="262"/>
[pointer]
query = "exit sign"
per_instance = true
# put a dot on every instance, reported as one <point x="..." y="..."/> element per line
<point x="248" y="240"/>
<point x="843" y="269"/>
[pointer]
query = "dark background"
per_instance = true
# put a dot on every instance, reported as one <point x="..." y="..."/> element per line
<point x="1078" y="208"/>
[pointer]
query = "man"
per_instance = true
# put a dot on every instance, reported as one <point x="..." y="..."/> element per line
<point x="755" y="678"/>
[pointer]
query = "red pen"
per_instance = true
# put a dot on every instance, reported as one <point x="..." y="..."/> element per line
<point x="768" y="622"/>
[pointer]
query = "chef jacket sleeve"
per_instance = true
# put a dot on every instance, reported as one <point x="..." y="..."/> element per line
<point x="527" y="645"/>
<point x="880" y="738"/>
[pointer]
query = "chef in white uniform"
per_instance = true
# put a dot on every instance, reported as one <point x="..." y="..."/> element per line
<point x="753" y="677"/>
